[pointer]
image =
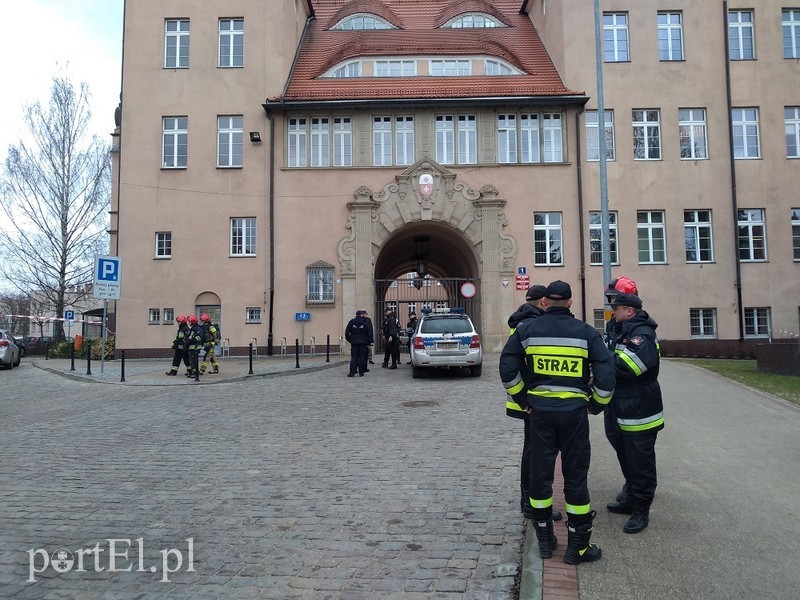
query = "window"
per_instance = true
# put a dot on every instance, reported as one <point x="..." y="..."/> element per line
<point x="599" y="320"/>
<point x="553" y="138"/>
<point x="646" y="135"/>
<point x="692" y="133"/>
<point x="176" y="44"/>
<point x="175" y="142"/>
<point x="740" y="35"/>
<point x="792" y="124"/>
<point x="320" y="142"/>
<point x="651" y="236"/>
<point x="231" y="43"/>
<point x="615" y="37"/>
<point x="757" y="322"/>
<point x="596" y="237"/>
<point x="670" y="36"/>
<point x="297" y="143"/>
<point x="395" y="68"/>
<point x="461" y="141"/>
<point x="252" y="314"/>
<point x="243" y="236"/>
<point x="351" y="69"/>
<point x="791" y="33"/>
<point x="473" y="20"/>
<point x="506" y="138"/>
<point x="796" y="232"/>
<point x="155" y="316"/>
<point x="529" y="138"/>
<point x="319" y="278"/>
<point x="382" y="136"/>
<point x="163" y="244"/>
<point x="169" y="316"/>
<point x="495" y="67"/>
<point x="331" y="142"/>
<point x="752" y="235"/>
<point x="547" y="239"/>
<point x="230" y="133"/>
<point x="592" y="139"/>
<point x="746" y="143"/>
<point x="342" y="142"/>
<point x="703" y="323"/>
<point x="362" y="22"/>
<point x="519" y="139"/>
<point x="697" y="232"/>
<point x="449" y="68"/>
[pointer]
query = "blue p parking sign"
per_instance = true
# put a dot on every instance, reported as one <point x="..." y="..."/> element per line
<point x="107" y="277"/>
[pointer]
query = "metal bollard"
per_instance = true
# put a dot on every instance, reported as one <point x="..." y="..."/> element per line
<point x="328" y="348"/>
<point x="88" y="357"/>
<point x="47" y="351"/>
<point x="251" y="358"/>
<point x="122" y="366"/>
<point x="72" y="357"/>
<point x="296" y="353"/>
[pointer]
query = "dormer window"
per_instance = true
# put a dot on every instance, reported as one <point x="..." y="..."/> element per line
<point x="498" y="67"/>
<point x="351" y="69"/>
<point x="361" y="22"/>
<point x="472" y="20"/>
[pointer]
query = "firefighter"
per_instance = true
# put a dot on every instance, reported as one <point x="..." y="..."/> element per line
<point x="179" y="346"/>
<point x="556" y="367"/>
<point x="534" y="307"/>
<point x="637" y="406"/>
<point x="211" y="335"/>
<point x="194" y="343"/>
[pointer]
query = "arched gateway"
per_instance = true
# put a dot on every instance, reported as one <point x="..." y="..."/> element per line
<point x="463" y="227"/>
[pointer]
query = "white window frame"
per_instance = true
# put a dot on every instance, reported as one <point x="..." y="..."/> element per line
<point x="174" y="142"/>
<point x="746" y="134"/>
<point x="795" y="218"/>
<point x="320" y="287"/>
<point x="791" y="115"/>
<point x="230" y="51"/>
<point x="616" y="41"/>
<point x="176" y="38"/>
<point x="553" y="130"/>
<point x="348" y="70"/>
<point x="362" y="22"/>
<point x="670" y="36"/>
<point x="445" y="139"/>
<point x="163" y="248"/>
<point x="741" y="35"/>
<point x="154" y="316"/>
<point x="395" y="68"/>
<point x="693" y="133"/>
<point x="498" y="67"/>
<point x="449" y="67"/>
<point x="230" y="141"/>
<point x="507" y="138"/>
<point x="320" y="141"/>
<point x="652" y="233"/>
<point x="467" y="137"/>
<point x="242" y="236"/>
<point x="752" y="234"/>
<point x="474" y="20"/>
<point x="392" y="140"/>
<point x="298" y="142"/>
<point x="252" y="314"/>
<point x="404" y="140"/>
<point x="382" y="141"/>
<point x="757" y="322"/>
<point x="790" y="25"/>
<point x="698" y="236"/>
<point x="592" y="133"/>
<point x="529" y="138"/>
<point x="169" y="316"/>
<point x="703" y="323"/>
<point x="342" y="142"/>
<point x="547" y="231"/>
<point x="596" y="237"/>
<point x="646" y="133"/>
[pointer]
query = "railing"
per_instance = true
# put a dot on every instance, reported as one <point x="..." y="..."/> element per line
<point x="225" y="348"/>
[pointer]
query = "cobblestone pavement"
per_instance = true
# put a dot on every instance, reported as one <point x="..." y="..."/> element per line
<point x="313" y="485"/>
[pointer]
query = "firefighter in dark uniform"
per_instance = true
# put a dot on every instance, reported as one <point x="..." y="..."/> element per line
<point x="391" y="334"/>
<point x="556" y="367"/>
<point x="194" y="344"/>
<point x="533" y="308"/>
<point x="637" y="406"/>
<point x="359" y="333"/>
<point x="179" y="346"/>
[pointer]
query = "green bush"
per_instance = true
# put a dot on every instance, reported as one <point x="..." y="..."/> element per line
<point x="64" y="349"/>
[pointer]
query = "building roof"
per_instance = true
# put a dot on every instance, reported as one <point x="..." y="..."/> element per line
<point x="418" y="34"/>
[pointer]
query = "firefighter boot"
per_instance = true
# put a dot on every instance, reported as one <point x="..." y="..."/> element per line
<point x="639" y="520"/>
<point x="214" y="369"/>
<point x="546" y="537"/>
<point x="624" y="494"/>
<point x="527" y="509"/>
<point x="579" y="550"/>
<point x="172" y="372"/>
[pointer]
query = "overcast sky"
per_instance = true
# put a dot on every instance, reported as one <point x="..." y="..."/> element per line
<point x="81" y="39"/>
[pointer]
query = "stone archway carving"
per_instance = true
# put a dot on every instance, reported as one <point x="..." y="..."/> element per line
<point x="478" y="216"/>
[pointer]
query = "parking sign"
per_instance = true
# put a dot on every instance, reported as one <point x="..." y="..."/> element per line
<point x="107" y="277"/>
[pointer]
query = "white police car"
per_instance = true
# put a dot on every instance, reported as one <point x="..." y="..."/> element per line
<point x="445" y="339"/>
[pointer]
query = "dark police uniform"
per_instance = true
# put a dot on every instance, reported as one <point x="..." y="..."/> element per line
<point x="359" y="333"/>
<point x="391" y="329"/>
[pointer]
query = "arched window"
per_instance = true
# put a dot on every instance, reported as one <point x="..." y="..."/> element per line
<point x="470" y="20"/>
<point x="499" y="67"/>
<point x="361" y="22"/>
<point x="350" y="69"/>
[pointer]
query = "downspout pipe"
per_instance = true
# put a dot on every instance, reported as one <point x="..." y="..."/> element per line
<point x="579" y="174"/>
<point x="270" y="332"/>
<point x="734" y="199"/>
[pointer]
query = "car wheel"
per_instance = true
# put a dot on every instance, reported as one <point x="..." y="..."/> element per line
<point x="416" y="372"/>
<point x="19" y="360"/>
<point x="476" y="371"/>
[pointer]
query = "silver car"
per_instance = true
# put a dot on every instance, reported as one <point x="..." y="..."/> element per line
<point x="9" y="351"/>
<point x="446" y="340"/>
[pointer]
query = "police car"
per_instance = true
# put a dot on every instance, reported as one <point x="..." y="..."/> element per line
<point x="445" y="338"/>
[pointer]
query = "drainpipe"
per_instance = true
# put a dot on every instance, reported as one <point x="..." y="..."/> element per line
<point x="734" y="200"/>
<point x="582" y="276"/>
<point x="270" y="335"/>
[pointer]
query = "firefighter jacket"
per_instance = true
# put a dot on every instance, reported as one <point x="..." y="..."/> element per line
<point x="211" y="334"/>
<point x="549" y="362"/>
<point x="358" y="331"/>
<point x="637" y="405"/>
<point x="180" y="337"/>
<point x="523" y="313"/>
<point x="194" y="338"/>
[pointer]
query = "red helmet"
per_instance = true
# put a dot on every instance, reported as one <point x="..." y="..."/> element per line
<point x="192" y="319"/>
<point x="181" y="319"/>
<point x="205" y="318"/>
<point x="622" y="285"/>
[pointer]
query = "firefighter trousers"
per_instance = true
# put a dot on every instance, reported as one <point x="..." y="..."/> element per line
<point x="640" y="457"/>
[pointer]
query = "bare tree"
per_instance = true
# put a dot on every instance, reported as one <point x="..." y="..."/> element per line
<point x="15" y="309"/>
<point x="56" y="191"/>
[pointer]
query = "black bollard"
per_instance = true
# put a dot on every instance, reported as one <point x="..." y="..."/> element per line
<point x="122" y="366"/>
<point x="47" y="351"/>
<point x="88" y="358"/>
<point x="251" y="358"/>
<point x="296" y="353"/>
<point x="328" y="348"/>
<point x="72" y="357"/>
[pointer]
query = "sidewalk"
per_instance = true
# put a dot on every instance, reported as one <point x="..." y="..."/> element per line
<point x="152" y="371"/>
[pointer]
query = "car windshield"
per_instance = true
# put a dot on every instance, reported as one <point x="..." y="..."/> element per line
<point x="446" y="325"/>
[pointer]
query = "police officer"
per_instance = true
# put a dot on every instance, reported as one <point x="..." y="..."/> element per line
<point x="211" y="335"/>
<point x="410" y="327"/>
<point x="179" y="346"/>
<point x="637" y="406"/>
<point x="359" y="333"/>
<point x="194" y="343"/>
<point x="391" y="333"/>
<point x="534" y="307"/>
<point x="555" y="367"/>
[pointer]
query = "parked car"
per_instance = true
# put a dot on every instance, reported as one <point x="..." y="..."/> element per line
<point x="446" y="340"/>
<point x="35" y="344"/>
<point x="9" y="352"/>
<point x="20" y="344"/>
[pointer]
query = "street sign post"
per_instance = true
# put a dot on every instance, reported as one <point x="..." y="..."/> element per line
<point x="302" y="317"/>
<point x="107" y="282"/>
